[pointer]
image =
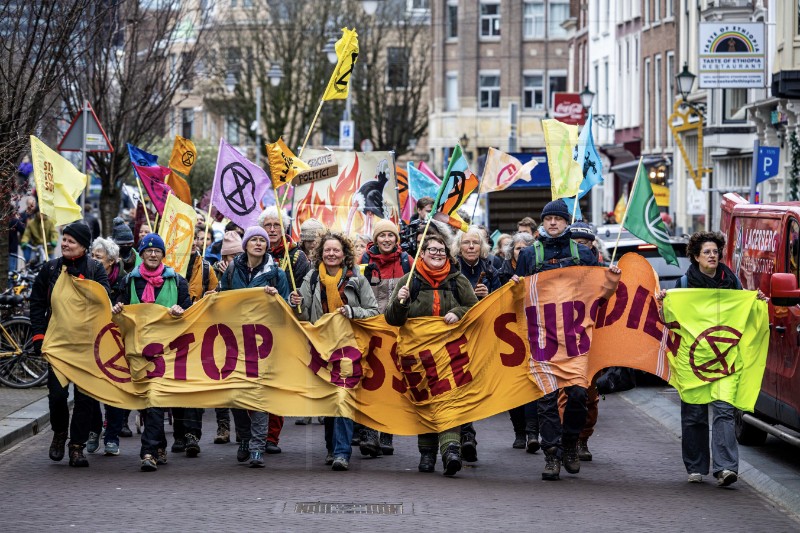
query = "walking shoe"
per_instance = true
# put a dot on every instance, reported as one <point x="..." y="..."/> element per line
<point x="149" y="463"/>
<point x="305" y="421"/>
<point x="57" y="446"/>
<point x="469" y="450"/>
<point x="256" y="461"/>
<point x="340" y="464"/>
<point x="93" y="443"/>
<point x="695" y="478"/>
<point x="427" y="460"/>
<point x="583" y="450"/>
<point x="161" y="456"/>
<point x="111" y="448"/>
<point x="552" y="466"/>
<point x="76" y="457"/>
<point x="179" y="446"/>
<point x="726" y="477"/>
<point x="451" y="460"/>
<point x="569" y="457"/>
<point x="125" y="431"/>
<point x="192" y="446"/>
<point x="519" y="441"/>
<point x="368" y="444"/>
<point x="272" y="448"/>
<point x="243" y="452"/>
<point x="386" y="444"/>
<point x="223" y="436"/>
<point x="329" y="459"/>
<point x="532" y="443"/>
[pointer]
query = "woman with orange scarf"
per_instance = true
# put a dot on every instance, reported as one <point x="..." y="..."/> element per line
<point x="437" y="289"/>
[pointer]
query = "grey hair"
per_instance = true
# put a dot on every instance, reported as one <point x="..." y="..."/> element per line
<point x="108" y="246"/>
<point x="361" y="237"/>
<point x="476" y="230"/>
<point x="272" y="212"/>
<point x="520" y="236"/>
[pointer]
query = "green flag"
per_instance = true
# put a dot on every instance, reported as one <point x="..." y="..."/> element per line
<point x="643" y="218"/>
<point x="724" y="336"/>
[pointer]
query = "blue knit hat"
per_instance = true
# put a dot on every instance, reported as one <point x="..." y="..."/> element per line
<point x="152" y="240"/>
<point x="557" y="208"/>
<point x="582" y="230"/>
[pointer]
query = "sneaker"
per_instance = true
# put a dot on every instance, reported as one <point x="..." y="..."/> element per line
<point x="76" y="457"/>
<point x="583" y="450"/>
<point x="256" y="460"/>
<point x="451" y="460"/>
<point x="161" y="456"/>
<point x="532" y="443"/>
<point x="149" y="463"/>
<point x="93" y="443"/>
<point x="726" y="477"/>
<point x="243" y="452"/>
<point x="569" y="457"/>
<point x="386" y="444"/>
<point x="552" y="466"/>
<point x="192" y="446"/>
<point x="111" y="448"/>
<point x="125" y="432"/>
<point x="519" y="441"/>
<point x="340" y="464"/>
<point x="329" y="459"/>
<point x="469" y="450"/>
<point x="223" y="436"/>
<point x="57" y="446"/>
<point x="427" y="461"/>
<point x="179" y="446"/>
<point x="695" y="478"/>
<point x="272" y="448"/>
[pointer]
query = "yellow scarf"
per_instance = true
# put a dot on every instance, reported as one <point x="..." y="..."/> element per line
<point x="331" y="284"/>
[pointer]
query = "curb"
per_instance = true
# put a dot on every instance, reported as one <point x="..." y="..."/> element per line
<point x="667" y="414"/>
<point x="24" y="423"/>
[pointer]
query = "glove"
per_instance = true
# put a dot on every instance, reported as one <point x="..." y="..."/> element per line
<point x="53" y="244"/>
<point x="37" y="348"/>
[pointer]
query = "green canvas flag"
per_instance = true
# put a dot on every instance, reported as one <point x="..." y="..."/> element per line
<point x="643" y="218"/>
<point x="724" y="336"/>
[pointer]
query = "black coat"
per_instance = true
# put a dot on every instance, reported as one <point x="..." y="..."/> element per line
<point x="556" y="255"/>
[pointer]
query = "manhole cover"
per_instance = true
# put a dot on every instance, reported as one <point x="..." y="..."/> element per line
<point x="348" y="508"/>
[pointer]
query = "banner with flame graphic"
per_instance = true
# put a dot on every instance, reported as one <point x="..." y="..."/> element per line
<point x="352" y="202"/>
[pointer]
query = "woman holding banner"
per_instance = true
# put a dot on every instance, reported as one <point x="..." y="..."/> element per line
<point x="335" y="286"/>
<point x="437" y="288"/>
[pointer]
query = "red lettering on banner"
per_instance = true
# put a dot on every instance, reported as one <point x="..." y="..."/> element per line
<point x="375" y="381"/>
<point x="635" y="314"/>
<point x="458" y="360"/>
<point x="413" y="379"/>
<point x="397" y="384"/>
<point x="181" y="347"/>
<point x="517" y="355"/>
<point x="574" y="313"/>
<point x="435" y="385"/>
<point x="154" y="353"/>
<point x="348" y="352"/>
<point x="207" y="352"/>
<point x="254" y="351"/>
<point x="620" y="304"/>
<point x="652" y="321"/>
<point x="550" y="328"/>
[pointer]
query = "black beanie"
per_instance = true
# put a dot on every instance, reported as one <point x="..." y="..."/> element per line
<point x="79" y="231"/>
<point x="582" y="230"/>
<point x="557" y="208"/>
<point x="121" y="233"/>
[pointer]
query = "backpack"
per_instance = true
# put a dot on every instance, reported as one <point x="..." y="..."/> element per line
<point x="416" y="286"/>
<point x="538" y="255"/>
<point x="372" y="268"/>
<point x="205" y="267"/>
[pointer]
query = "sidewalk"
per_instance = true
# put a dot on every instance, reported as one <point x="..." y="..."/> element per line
<point x="23" y="413"/>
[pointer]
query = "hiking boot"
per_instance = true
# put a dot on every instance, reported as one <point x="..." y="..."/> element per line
<point x="149" y="463"/>
<point x="329" y="459"/>
<point x="93" y="443"/>
<point x="726" y="477"/>
<point x="272" y="448"/>
<point x="223" y="435"/>
<point x="451" y="460"/>
<point x="256" y="460"/>
<point x="244" y="451"/>
<point x="340" y="464"/>
<point x="126" y="431"/>
<point x="179" y="446"/>
<point x="583" y="450"/>
<point x="469" y="449"/>
<point x="569" y="457"/>
<point x="111" y="448"/>
<point x="427" y="460"/>
<point x="192" y="446"/>
<point x="519" y="441"/>
<point x="57" y="446"/>
<point x="76" y="457"/>
<point x="161" y="456"/>
<point x="552" y="466"/>
<point x="532" y="442"/>
<point x="386" y="444"/>
<point x="368" y="444"/>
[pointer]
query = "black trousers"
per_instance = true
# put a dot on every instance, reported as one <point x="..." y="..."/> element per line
<point x="85" y="406"/>
<point x="552" y="431"/>
<point x="153" y="436"/>
<point x="525" y="418"/>
<point x="187" y="420"/>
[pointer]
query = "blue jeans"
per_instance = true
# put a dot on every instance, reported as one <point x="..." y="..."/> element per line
<point x="114" y="421"/>
<point x="694" y="438"/>
<point x="342" y="436"/>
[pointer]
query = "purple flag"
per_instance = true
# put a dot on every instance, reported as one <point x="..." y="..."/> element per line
<point x="153" y="181"/>
<point x="239" y="185"/>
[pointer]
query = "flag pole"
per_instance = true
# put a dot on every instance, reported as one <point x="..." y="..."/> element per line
<point x="310" y="129"/>
<point x="208" y="216"/>
<point x="141" y="201"/>
<point x="44" y="238"/>
<point x="625" y="216"/>
<point x="575" y="207"/>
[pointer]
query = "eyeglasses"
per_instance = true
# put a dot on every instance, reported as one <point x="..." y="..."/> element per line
<point x="710" y="252"/>
<point x="437" y="251"/>
<point x="272" y="225"/>
<point x="152" y="251"/>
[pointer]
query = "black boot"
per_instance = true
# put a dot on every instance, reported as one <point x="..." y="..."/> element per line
<point x="451" y="460"/>
<point x="519" y="441"/>
<point x="583" y="450"/>
<point x="569" y="456"/>
<point x="368" y="443"/>
<point x="469" y="448"/>
<point x="76" y="457"/>
<point x="552" y="466"/>
<point x="57" y="446"/>
<point x="532" y="442"/>
<point x="427" y="459"/>
<point x="386" y="444"/>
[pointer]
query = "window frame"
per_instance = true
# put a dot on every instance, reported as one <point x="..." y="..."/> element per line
<point x="491" y="90"/>
<point x="494" y="20"/>
<point x="532" y="88"/>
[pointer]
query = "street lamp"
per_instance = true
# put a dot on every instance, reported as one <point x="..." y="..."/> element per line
<point x="587" y="99"/>
<point x="330" y="50"/>
<point x="685" y="81"/>
<point x="230" y="83"/>
<point x="275" y="74"/>
<point x="464" y="141"/>
<point x="370" y="6"/>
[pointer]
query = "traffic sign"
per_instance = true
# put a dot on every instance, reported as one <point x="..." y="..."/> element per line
<point x="346" y="134"/>
<point x="768" y="163"/>
<point x="85" y="126"/>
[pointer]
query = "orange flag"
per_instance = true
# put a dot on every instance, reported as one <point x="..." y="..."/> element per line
<point x="180" y="187"/>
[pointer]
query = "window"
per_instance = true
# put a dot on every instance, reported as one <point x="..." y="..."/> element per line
<point x="556" y="83"/>
<point x="558" y="13"/>
<point x="657" y="10"/>
<point x="533" y="91"/>
<point x="670" y="95"/>
<point x="733" y="101"/>
<point x="646" y="17"/>
<point x="669" y="12"/>
<point x="397" y="67"/>
<point x="533" y="20"/>
<point x="452" y="21"/>
<point x="657" y="100"/>
<point x="451" y="88"/>
<point x="232" y="130"/>
<point x="186" y="72"/>
<point x="490" y="19"/>
<point x="489" y="91"/>
<point x="419" y="4"/>
<point x="646" y="91"/>
<point x="793" y="250"/>
<point x="234" y="61"/>
<point x="187" y="122"/>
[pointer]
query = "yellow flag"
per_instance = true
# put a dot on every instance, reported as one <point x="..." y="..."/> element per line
<point x="177" y="230"/>
<point x="58" y="184"/>
<point x="566" y="174"/>
<point x="183" y="156"/>
<point x="347" y="52"/>
<point x="283" y="164"/>
<point x="619" y="209"/>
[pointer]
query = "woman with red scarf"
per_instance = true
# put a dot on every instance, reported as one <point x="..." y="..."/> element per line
<point x="437" y="289"/>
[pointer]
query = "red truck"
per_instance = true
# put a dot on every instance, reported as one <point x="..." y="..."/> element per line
<point x="763" y="248"/>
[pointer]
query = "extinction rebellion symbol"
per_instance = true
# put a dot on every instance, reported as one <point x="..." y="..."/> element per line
<point x="187" y="158"/>
<point x="108" y="349"/>
<point x="238" y="189"/>
<point x="721" y="340"/>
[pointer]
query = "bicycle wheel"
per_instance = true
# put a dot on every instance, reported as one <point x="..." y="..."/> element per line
<point x="25" y="369"/>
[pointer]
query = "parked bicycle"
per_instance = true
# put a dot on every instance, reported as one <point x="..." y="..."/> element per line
<point x="20" y="366"/>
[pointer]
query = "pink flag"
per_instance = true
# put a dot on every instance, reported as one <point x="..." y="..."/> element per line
<point x="425" y="169"/>
<point x="239" y="186"/>
<point x="153" y="181"/>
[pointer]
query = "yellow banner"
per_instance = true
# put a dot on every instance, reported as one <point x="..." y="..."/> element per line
<point x="177" y="230"/>
<point x="58" y="184"/>
<point x="184" y="155"/>
<point x="661" y="194"/>
<point x="347" y="52"/>
<point x="565" y="173"/>
<point x="283" y="164"/>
